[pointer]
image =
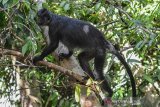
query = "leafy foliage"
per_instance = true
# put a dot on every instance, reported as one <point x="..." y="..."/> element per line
<point x="132" y="25"/>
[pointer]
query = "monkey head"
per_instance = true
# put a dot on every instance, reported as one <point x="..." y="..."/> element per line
<point x="44" y="17"/>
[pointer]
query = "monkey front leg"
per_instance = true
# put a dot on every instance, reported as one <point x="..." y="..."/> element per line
<point x="47" y="50"/>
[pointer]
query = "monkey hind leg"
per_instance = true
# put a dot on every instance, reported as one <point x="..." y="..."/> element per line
<point x="84" y="58"/>
<point x="99" y="64"/>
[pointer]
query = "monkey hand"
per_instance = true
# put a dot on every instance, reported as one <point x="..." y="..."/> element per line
<point x="36" y="59"/>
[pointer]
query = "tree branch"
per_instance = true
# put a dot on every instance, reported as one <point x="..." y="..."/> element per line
<point x="20" y="56"/>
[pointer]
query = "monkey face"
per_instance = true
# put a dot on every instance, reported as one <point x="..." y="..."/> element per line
<point x="44" y="17"/>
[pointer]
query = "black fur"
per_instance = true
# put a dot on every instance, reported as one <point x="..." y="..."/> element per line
<point x="75" y="33"/>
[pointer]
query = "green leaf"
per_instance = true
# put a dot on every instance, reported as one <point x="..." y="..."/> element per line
<point x="62" y="3"/>
<point x="133" y="60"/>
<point x="77" y="93"/>
<point x="138" y="44"/>
<point x="4" y="2"/>
<point x="66" y="103"/>
<point x="26" y="7"/>
<point x="15" y="1"/>
<point x="88" y="91"/>
<point x="66" y="7"/>
<point x="62" y="104"/>
<point x="129" y="52"/>
<point x="32" y="46"/>
<point x="25" y="48"/>
<point x="2" y="19"/>
<point x="10" y="3"/>
<point x="159" y="77"/>
<point x="98" y="5"/>
<point x="89" y="82"/>
<point x="54" y="98"/>
<point x="45" y="5"/>
<point x="148" y="78"/>
<point x="137" y="22"/>
<point x="158" y="72"/>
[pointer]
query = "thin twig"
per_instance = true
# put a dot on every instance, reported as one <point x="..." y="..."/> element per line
<point x="4" y="9"/>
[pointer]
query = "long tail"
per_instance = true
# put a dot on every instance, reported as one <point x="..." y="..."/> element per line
<point x="111" y="49"/>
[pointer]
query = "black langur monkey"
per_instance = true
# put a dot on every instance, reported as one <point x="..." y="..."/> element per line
<point x="74" y="33"/>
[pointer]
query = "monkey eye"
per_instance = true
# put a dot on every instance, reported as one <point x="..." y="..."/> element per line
<point x="48" y="18"/>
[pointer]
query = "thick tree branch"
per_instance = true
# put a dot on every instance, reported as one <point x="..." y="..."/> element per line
<point x="20" y="56"/>
<point x="61" y="69"/>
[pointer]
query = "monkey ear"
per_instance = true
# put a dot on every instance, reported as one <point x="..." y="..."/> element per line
<point x="42" y="12"/>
